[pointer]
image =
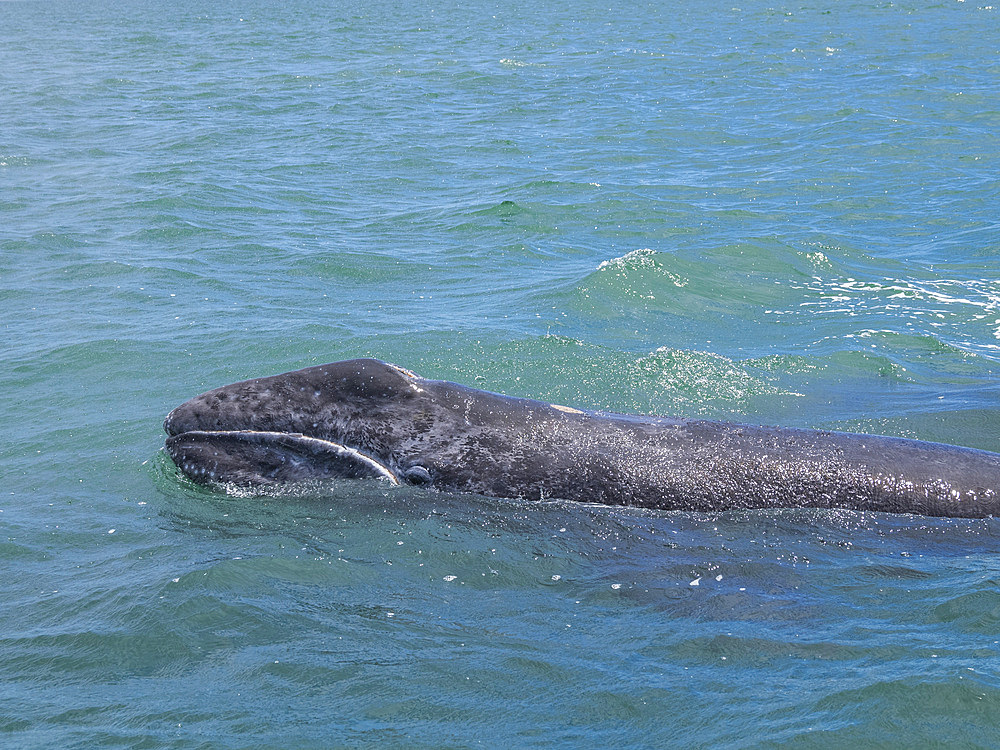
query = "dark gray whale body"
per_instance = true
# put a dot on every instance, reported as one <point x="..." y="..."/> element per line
<point x="365" y="418"/>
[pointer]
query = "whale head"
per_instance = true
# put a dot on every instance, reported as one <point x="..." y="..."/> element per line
<point x="350" y="419"/>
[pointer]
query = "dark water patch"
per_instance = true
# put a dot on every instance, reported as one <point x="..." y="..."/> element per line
<point x="13" y="552"/>
<point x="906" y="711"/>
<point x="972" y="612"/>
<point x="755" y="652"/>
<point x="504" y="210"/>
<point x="86" y="656"/>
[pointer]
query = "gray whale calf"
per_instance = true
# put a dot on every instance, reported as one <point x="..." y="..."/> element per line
<point x="365" y="418"/>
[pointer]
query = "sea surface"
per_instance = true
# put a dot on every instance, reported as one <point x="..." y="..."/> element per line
<point x="755" y="210"/>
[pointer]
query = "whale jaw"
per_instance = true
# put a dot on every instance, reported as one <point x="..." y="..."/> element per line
<point x="251" y="457"/>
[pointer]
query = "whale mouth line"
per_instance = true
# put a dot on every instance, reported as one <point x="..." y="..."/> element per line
<point x="295" y="441"/>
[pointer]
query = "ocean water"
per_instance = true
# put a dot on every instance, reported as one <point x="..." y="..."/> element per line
<point x="774" y="212"/>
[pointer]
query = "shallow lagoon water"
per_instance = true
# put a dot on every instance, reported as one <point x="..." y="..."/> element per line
<point x="781" y="214"/>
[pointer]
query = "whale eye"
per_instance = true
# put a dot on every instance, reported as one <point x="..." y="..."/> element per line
<point x="417" y="475"/>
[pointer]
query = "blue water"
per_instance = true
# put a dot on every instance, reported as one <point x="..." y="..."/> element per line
<point x="776" y="213"/>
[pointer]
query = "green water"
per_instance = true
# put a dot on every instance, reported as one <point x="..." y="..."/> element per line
<point x="784" y="214"/>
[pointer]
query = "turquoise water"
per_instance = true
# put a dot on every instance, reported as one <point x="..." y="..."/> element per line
<point x="777" y="213"/>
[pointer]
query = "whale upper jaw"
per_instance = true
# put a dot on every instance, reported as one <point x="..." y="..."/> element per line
<point x="253" y="457"/>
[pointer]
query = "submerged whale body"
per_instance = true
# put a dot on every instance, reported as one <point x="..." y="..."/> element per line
<point x="368" y="419"/>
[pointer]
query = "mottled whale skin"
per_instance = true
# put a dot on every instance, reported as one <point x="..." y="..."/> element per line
<point x="366" y="418"/>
